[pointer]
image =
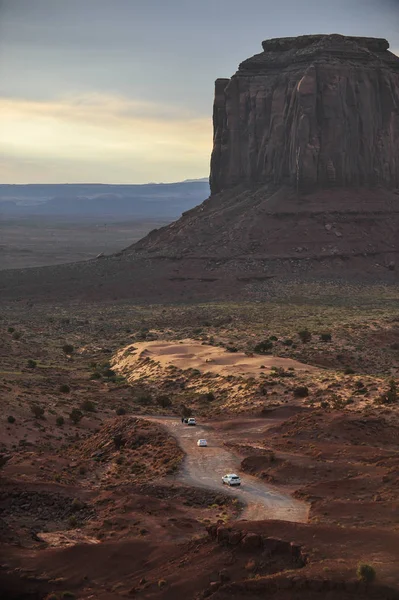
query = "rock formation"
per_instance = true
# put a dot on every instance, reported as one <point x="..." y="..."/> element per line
<point x="312" y="111"/>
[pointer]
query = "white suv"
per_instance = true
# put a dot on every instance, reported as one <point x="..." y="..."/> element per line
<point x="191" y="421"/>
<point x="202" y="443"/>
<point x="231" y="479"/>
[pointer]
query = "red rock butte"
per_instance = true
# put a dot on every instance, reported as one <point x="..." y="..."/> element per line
<point x="312" y="111"/>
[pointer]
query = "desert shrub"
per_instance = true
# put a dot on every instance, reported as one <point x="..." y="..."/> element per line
<point x="109" y="373"/>
<point x="88" y="406"/>
<point x="76" y="505"/>
<point x="186" y="411"/>
<point x="349" y="371"/>
<point x="16" y="335"/>
<point x="210" y="396"/>
<point x="11" y="419"/>
<point x="118" y="440"/>
<point x="67" y="348"/>
<point x="120" y="411"/>
<point x="301" y="391"/>
<point x="60" y="421"/>
<point x="231" y="349"/>
<point x="391" y="395"/>
<point x="365" y="573"/>
<point x="304" y="335"/>
<point x="263" y="347"/>
<point x="273" y="338"/>
<point x="95" y="375"/>
<point x="31" y="364"/>
<point x="164" y="401"/>
<point x="37" y="410"/>
<point x="395" y="346"/>
<point x="64" y="388"/>
<point x="161" y="583"/>
<point x="69" y="595"/>
<point x="326" y="337"/>
<point x="11" y="329"/>
<point x="52" y="597"/>
<point x="72" y="521"/>
<point x="288" y="342"/>
<point x="324" y="404"/>
<point x="144" y="398"/>
<point x="75" y="415"/>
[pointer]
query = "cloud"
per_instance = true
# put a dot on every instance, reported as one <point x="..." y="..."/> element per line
<point x="105" y="137"/>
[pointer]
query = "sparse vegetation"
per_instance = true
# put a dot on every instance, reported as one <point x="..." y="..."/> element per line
<point x="326" y="337"/>
<point x="10" y="419"/>
<point x="38" y="411"/>
<point x="304" y="335"/>
<point x="301" y="391"/>
<point x="64" y="388"/>
<point x="120" y="411"/>
<point x="75" y="415"/>
<point x="88" y="406"/>
<point x="365" y="573"/>
<point x="31" y="364"/>
<point x="67" y="348"/>
<point x="164" y="401"/>
<point x="264" y="347"/>
<point x="60" y="421"/>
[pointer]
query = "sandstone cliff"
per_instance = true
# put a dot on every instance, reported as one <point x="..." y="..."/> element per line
<point x="312" y="111"/>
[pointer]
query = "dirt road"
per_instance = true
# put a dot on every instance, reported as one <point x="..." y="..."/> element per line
<point x="206" y="466"/>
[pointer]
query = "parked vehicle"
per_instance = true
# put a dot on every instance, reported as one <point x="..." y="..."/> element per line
<point x="191" y="421"/>
<point x="231" y="479"/>
<point x="202" y="443"/>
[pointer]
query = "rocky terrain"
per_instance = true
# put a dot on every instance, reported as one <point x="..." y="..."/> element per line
<point x="105" y="494"/>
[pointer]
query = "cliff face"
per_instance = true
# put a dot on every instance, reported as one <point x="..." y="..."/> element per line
<point x="314" y="111"/>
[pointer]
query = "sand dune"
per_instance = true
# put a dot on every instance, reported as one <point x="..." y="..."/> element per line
<point x="190" y="354"/>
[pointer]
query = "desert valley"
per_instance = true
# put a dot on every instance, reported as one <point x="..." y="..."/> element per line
<point x="269" y="314"/>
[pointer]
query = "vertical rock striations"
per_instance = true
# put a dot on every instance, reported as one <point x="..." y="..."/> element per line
<point x="311" y="112"/>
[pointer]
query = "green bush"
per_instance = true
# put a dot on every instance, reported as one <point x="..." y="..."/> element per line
<point x="31" y="364"/>
<point x="263" y="347"/>
<point x="288" y="342"/>
<point x="64" y="388"/>
<point x="95" y="375"/>
<point x="231" y="349"/>
<point x="67" y="348"/>
<point x="37" y="410"/>
<point x="60" y="421"/>
<point x="120" y="411"/>
<point x="304" y="335"/>
<point x="164" y="401"/>
<point x="349" y="371"/>
<point x="391" y="395"/>
<point x="365" y="573"/>
<point x="210" y="396"/>
<point x="11" y="329"/>
<point x="273" y="338"/>
<point x="11" y="419"/>
<point x="88" y="406"/>
<point x="301" y="391"/>
<point x="75" y="415"/>
<point x="326" y="337"/>
<point x="16" y="335"/>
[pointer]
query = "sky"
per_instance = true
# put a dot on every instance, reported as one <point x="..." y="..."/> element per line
<point x="121" y="91"/>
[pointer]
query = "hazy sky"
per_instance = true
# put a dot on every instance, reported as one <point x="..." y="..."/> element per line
<point x="122" y="90"/>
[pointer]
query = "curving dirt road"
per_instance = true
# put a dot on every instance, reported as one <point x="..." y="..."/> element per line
<point x="206" y="466"/>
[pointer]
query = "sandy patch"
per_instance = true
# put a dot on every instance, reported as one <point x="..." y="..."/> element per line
<point x="190" y="354"/>
<point x="65" y="539"/>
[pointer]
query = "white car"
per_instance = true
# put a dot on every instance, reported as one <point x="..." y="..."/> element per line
<point x="202" y="443"/>
<point x="191" y="421"/>
<point x="231" y="479"/>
